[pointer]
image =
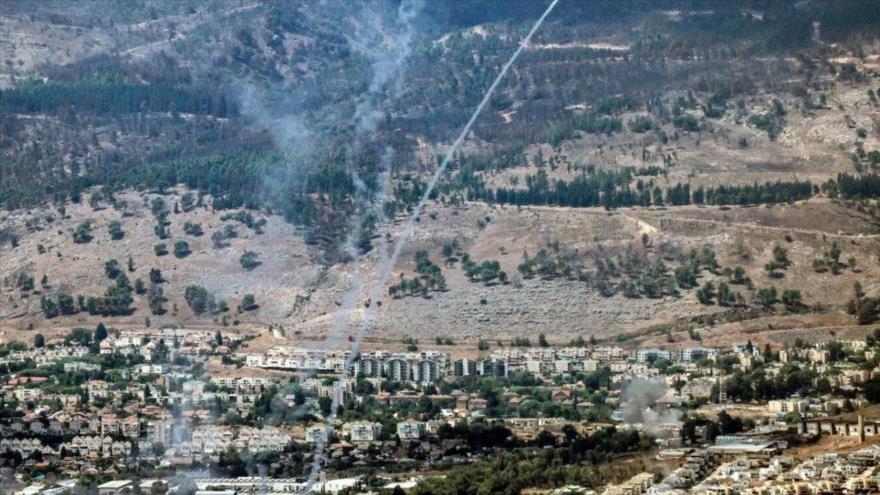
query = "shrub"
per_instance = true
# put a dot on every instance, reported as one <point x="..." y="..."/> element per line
<point x="181" y="249"/>
<point x="197" y="298"/>
<point x="249" y="260"/>
<point x="83" y="233"/>
<point x="248" y="303"/>
<point x="115" y="230"/>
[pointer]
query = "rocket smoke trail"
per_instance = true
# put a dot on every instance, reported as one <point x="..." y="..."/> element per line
<point x="388" y="265"/>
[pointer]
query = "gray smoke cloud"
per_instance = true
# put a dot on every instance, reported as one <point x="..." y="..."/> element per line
<point x="387" y="44"/>
<point x="281" y="117"/>
<point x="286" y="125"/>
<point x="369" y="207"/>
<point x="387" y="50"/>
<point x="639" y="403"/>
<point x="377" y="31"/>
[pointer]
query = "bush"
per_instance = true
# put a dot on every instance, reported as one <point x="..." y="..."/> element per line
<point x="115" y="230"/>
<point x="181" y="249"/>
<point x="111" y="269"/>
<point x="66" y="305"/>
<point x="49" y="307"/>
<point x="160" y="249"/>
<point x="24" y="282"/>
<point x="249" y="260"/>
<point x="792" y="298"/>
<point x="641" y="124"/>
<point x="686" y="123"/>
<point x="771" y="123"/>
<point x="867" y="312"/>
<point x="83" y="233"/>
<point x="248" y="303"/>
<point x="192" y="229"/>
<point x="116" y="301"/>
<point x="155" y="301"/>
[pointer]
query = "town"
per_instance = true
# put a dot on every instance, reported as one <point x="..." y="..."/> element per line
<point x="439" y="247"/>
<point x="195" y="411"/>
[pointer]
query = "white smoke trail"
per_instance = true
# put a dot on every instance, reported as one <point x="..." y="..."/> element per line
<point x="387" y="53"/>
<point x="388" y="266"/>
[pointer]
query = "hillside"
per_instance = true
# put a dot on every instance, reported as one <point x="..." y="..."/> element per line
<point x="305" y="298"/>
<point x="647" y="172"/>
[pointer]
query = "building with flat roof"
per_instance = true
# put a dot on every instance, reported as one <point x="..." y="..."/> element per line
<point x="115" y="487"/>
<point x="738" y="445"/>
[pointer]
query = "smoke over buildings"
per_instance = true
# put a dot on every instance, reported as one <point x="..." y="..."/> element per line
<point x="643" y="405"/>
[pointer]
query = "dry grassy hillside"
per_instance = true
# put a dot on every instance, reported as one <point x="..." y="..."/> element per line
<point x="285" y="272"/>
<point x="815" y="144"/>
<point x="308" y="300"/>
<point x="565" y="309"/>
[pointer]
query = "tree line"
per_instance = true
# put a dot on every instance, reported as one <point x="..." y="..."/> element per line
<point x="613" y="190"/>
<point x="111" y="96"/>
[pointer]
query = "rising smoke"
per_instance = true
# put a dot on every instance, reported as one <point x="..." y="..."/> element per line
<point x="281" y="118"/>
<point x="387" y="49"/>
<point x="385" y="43"/>
<point x="387" y="266"/>
<point x="639" y="398"/>
<point x="381" y="33"/>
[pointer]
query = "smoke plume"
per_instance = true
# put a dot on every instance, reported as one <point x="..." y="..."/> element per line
<point x="639" y="403"/>
<point x="386" y="267"/>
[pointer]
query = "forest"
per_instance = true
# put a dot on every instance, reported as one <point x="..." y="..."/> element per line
<point x="612" y="190"/>
<point x="110" y="97"/>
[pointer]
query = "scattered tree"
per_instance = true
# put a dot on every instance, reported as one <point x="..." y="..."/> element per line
<point x="83" y="233"/>
<point x="249" y="260"/>
<point x="197" y="298"/>
<point x="114" y="228"/>
<point x="248" y="303"/>
<point x="181" y="249"/>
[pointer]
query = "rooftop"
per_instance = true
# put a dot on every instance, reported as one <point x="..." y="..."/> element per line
<point x="115" y="484"/>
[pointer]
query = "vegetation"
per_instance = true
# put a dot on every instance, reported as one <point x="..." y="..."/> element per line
<point x="83" y="233"/>
<point x="198" y="299"/>
<point x="160" y="249"/>
<point x="487" y="272"/>
<point x="114" y="228"/>
<point x="116" y="301"/>
<point x="249" y="260"/>
<point x="248" y="303"/>
<point x="193" y="229"/>
<point x="614" y="190"/>
<point x="430" y="279"/>
<point x="576" y="460"/>
<point x="181" y="249"/>
<point x="107" y="96"/>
